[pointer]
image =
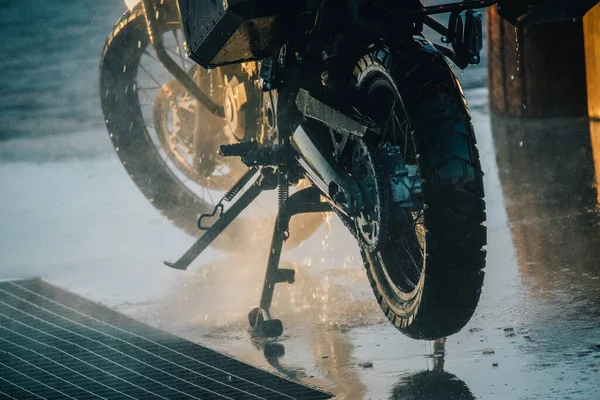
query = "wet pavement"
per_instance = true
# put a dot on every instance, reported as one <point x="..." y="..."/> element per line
<point x="70" y="213"/>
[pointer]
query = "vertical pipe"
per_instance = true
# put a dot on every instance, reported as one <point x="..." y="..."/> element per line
<point x="536" y="71"/>
<point x="595" y="139"/>
<point x="591" y="33"/>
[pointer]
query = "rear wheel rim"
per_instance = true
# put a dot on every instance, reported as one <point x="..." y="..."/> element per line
<point x="406" y="230"/>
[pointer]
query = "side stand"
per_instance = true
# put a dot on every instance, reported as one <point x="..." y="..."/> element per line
<point x="304" y="201"/>
<point x="267" y="181"/>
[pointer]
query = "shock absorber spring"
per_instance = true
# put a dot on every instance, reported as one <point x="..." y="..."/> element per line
<point x="283" y="185"/>
<point x="283" y="195"/>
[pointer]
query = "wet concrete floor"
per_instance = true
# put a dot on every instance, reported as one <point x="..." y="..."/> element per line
<point x="70" y="213"/>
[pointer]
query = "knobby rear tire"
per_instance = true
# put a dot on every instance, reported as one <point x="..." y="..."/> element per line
<point x="451" y="280"/>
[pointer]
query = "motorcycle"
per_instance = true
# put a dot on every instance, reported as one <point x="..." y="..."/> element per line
<point x="344" y="101"/>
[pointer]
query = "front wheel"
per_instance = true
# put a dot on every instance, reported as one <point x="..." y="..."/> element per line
<point x="152" y="119"/>
<point x="426" y="266"/>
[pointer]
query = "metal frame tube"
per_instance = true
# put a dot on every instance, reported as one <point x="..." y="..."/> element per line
<point x="172" y="67"/>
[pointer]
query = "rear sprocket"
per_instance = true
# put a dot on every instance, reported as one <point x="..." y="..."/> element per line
<point x="368" y="170"/>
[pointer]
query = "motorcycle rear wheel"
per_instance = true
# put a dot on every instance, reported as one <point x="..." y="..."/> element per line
<point x="162" y="179"/>
<point x="427" y="272"/>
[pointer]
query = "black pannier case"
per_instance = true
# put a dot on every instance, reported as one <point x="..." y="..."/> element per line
<point x="220" y="32"/>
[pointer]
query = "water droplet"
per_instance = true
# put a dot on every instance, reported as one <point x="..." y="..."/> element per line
<point x="124" y="68"/>
<point x="521" y="143"/>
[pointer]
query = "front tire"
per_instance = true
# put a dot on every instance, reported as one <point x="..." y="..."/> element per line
<point x="428" y="277"/>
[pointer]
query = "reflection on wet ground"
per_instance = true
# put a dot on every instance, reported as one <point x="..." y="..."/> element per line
<point x="551" y="196"/>
<point x="595" y="140"/>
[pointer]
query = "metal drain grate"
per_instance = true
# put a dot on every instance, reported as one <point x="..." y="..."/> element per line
<point x="57" y="345"/>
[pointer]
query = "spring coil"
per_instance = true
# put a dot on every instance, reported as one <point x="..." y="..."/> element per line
<point x="283" y="195"/>
<point x="239" y="185"/>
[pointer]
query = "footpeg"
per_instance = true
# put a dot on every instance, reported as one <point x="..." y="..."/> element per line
<point x="254" y="154"/>
<point x="286" y="275"/>
<point x="237" y="149"/>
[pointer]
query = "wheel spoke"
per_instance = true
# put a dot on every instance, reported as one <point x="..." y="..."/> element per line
<point x="147" y="87"/>
<point x="220" y="170"/>
<point x="391" y="114"/>
<point x="176" y="54"/>
<point x="413" y="230"/>
<point x="150" y="75"/>
<point x="262" y="207"/>
<point x="405" y="145"/>
<point x="212" y="201"/>
<point x="409" y="252"/>
<point x="146" y="52"/>
<point x="145" y="90"/>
